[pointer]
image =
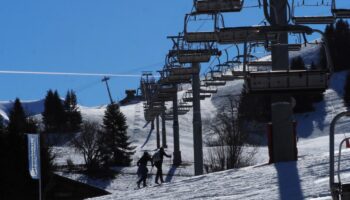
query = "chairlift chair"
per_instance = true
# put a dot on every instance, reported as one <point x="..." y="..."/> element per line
<point x="217" y="6"/>
<point x="339" y="190"/>
<point x="167" y="90"/>
<point x="287" y="81"/>
<point x="194" y="55"/>
<point x="169" y="117"/>
<point x="185" y="106"/>
<point x="208" y="91"/>
<point x="311" y="19"/>
<point x="244" y="34"/>
<point x="238" y="74"/>
<point x="183" y="71"/>
<point x="214" y="83"/>
<point x="340" y="13"/>
<point x="291" y="47"/>
<point x="188" y="97"/>
<point x="202" y="36"/>
<point x="258" y="63"/>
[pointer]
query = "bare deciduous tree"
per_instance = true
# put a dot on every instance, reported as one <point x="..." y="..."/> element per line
<point x="226" y="141"/>
<point x="87" y="143"/>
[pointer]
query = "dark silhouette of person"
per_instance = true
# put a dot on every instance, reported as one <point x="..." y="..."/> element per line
<point x="142" y="171"/>
<point x="158" y="162"/>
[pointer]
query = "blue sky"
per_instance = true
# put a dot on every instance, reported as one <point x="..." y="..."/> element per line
<point x="89" y="36"/>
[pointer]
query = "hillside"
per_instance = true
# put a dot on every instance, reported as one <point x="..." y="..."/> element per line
<point x="305" y="179"/>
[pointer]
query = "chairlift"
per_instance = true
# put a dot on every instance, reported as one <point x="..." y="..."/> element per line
<point x="208" y="90"/>
<point x="244" y="34"/>
<point x="291" y="47"/>
<point x="183" y="71"/>
<point x="320" y="19"/>
<point x="339" y="190"/>
<point x="186" y="53"/>
<point x="167" y="78"/>
<point x="217" y="6"/>
<point x="311" y="19"/>
<point x="169" y="117"/>
<point x="166" y="89"/>
<point x="286" y="81"/>
<point x="238" y="74"/>
<point x="214" y="83"/>
<point x="259" y="63"/>
<point x="202" y="36"/>
<point x="188" y="97"/>
<point x="340" y="13"/>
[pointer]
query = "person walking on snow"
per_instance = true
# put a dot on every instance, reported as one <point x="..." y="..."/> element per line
<point x="158" y="161"/>
<point x="142" y="171"/>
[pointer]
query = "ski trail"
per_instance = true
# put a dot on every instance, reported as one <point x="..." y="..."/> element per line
<point x="137" y="120"/>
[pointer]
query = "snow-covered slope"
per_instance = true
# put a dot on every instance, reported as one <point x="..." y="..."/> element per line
<point x="305" y="179"/>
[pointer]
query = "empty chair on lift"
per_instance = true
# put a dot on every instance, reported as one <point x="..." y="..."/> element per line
<point x="317" y="19"/>
<point x="194" y="55"/>
<point x="210" y="35"/>
<point x="258" y="63"/>
<point x="244" y="34"/>
<point x="313" y="19"/>
<point x="341" y="13"/>
<point x="291" y="47"/>
<point x="287" y="81"/>
<point x="215" y="6"/>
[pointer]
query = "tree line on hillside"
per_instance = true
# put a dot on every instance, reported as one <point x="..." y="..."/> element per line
<point x="61" y="116"/>
<point x="112" y="147"/>
<point x="338" y="37"/>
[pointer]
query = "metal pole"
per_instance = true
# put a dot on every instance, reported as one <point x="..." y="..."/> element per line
<point x="177" y="152"/>
<point x="197" y="123"/>
<point x="158" y="134"/>
<point x="39" y="157"/>
<point x="281" y="108"/>
<point x="245" y="49"/>
<point x="105" y="79"/>
<point x="163" y="129"/>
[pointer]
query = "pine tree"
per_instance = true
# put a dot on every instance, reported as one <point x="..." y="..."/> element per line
<point x="73" y="115"/>
<point x="115" y="146"/>
<point x="322" y="63"/>
<point x="13" y="148"/>
<point x="338" y="38"/>
<point x="347" y="91"/>
<point x="53" y="115"/>
<point x="2" y="125"/>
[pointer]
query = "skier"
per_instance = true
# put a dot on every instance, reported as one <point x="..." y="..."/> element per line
<point x="142" y="171"/>
<point x="158" y="161"/>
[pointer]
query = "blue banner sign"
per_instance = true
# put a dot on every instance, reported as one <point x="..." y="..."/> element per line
<point x="34" y="155"/>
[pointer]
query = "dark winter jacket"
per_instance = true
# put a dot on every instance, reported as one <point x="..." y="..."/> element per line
<point x="144" y="159"/>
<point x="142" y="164"/>
<point x="162" y="154"/>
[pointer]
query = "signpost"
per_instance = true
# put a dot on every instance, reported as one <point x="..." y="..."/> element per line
<point x="34" y="158"/>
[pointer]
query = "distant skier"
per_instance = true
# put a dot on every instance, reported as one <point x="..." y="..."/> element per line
<point x="158" y="161"/>
<point x="142" y="171"/>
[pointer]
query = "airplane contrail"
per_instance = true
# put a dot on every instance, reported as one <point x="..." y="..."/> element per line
<point x="67" y="73"/>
